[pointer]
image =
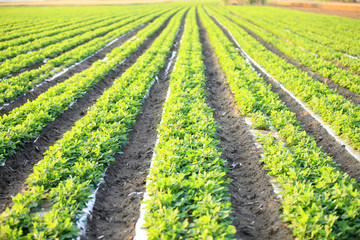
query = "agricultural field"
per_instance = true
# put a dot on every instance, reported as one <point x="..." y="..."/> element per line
<point x="182" y="120"/>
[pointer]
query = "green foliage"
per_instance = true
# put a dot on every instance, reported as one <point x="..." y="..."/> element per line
<point x="335" y="33"/>
<point x="16" y="47"/>
<point x="71" y="169"/>
<point x="188" y="188"/>
<point x="319" y="201"/>
<point x="23" y="125"/>
<point x="317" y="56"/>
<point x="260" y="121"/>
<point x="70" y="39"/>
<point x="10" y="88"/>
<point x="342" y="114"/>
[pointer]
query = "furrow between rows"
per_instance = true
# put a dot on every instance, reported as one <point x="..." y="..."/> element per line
<point x="117" y="205"/>
<point x="86" y="150"/>
<point x="255" y="204"/>
<point x="20" y="165"/>
<point x="351" y="96"/>
<point x="331" y="145"/>
<point x="20" y="61"/>
<point x="310" y="180"/>
<point x="69" y="72"/>
<point x="13" y="87"/>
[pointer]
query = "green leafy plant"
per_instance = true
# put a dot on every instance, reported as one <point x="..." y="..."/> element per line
<point x="22" y="124"/>
<point x="187" y="189"/>
<point x="318" y="200"/>
<point x="10" y="88"/>
<point x="342" y="114"/>
<point x="329" y="63"/>
<point x="73" y="167"/>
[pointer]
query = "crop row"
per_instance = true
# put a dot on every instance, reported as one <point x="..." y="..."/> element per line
<point x="27" y="59"/>
<point x="340" y="113"/>
<point x="337" y="29"/>
<point x="322" y="44"/>
<point x="24" y="30"/>
<point x="35" y="20"/>
<point x="188" y="198"/>
<point x="344" y="78"/>
<point x="317" y="50"/>
<point x="58" y="28"/>
<point x="12" y="87"/>
<point x="15" y="35"/>
<point x="52" y="25"/>
<point x="74" y="30"/>
<point x="25" y="25"/>
<point x="73" y="167"/>
<point x="25" y="123"/>
<point x="24" y="60"/>
<point x="318" y="200"/>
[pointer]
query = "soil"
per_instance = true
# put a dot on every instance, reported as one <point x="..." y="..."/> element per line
<point x="336" y="12"/>
<point x="20" y="165"/>
<point x="117" y="205"/>
<point x="351" y="96"/>
<point x="255" y="204"/>
<point x="324" y="140"/>
<point x="45" y="85"/>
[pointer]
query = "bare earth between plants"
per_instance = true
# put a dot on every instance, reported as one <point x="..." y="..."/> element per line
<point x="256" y="207"/>
<point x="323" y="139"/>
<point x="117" y="205"/>
<point x="12" y="181"/>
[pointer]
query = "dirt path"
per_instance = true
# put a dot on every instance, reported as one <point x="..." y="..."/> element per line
<point x="117" y="205"/>
<point x="44" y="86"/>
<point x="351" y="96"/>
<point x="18" y="167"/>
<point x="313" y="128"/>
<point x="255" y="204"/>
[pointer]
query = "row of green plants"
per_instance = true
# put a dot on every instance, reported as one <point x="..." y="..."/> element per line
<point x="42" y="24"/>
<point x="339" y="43"/>
<point x="65" y="25"/>
<point x="12" y="87"/>
<point x="73" y="167"/>
<point x="307" y="29"/>
<point x="36" y="30"/>
<point x="27" y="26"/>
<point x="322" y="51"/>
<point x="24" y="123"/>
<point x="342" y="115"/>
<point x="27" y="59"/>
<point x="42" y="43"/>
<point x="327" y="69"/>
<point x="14" y="20"/>
<point x="318" y="200"/>
<point x="188" y="187"/>
<point x="8" y="24"/>
<point x="334" y="27"/>
<point x="43" y="21"/>
<point x="24" y="60"/>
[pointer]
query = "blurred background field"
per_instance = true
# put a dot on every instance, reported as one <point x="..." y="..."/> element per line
<point x="345" y="8"/>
